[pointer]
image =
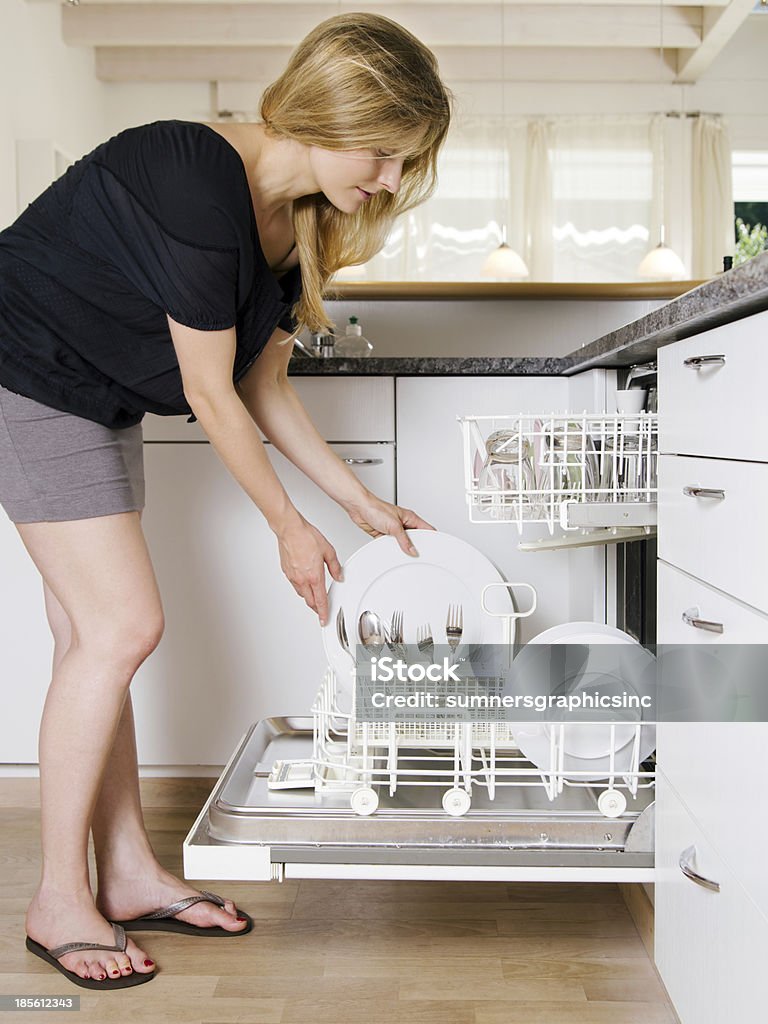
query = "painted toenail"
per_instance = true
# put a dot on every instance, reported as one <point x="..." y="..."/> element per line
<point x="149" y="963"/>
<point x="102" y="977"/>
<point x="241" y="918"/>
<point x="115" y="972"/>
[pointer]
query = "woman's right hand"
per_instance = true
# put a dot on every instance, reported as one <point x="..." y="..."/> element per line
<point x="304" y="553"/>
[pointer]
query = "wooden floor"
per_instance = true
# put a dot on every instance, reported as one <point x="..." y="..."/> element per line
<point x="364" y="952"/>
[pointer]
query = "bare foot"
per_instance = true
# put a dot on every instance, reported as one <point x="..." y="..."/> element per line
<point x="54" y="918"/>
<point x="120" y="899"/>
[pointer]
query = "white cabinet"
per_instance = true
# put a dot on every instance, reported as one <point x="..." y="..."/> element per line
<point x="709" y="510"/>
<point x="240" y="644"/>
<point x="711" y="947"/>
<point x="26" y="648"/>
<point x="712" y="392"/>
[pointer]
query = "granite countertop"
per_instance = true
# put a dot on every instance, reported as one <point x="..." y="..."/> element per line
<point x="730" y="296"/>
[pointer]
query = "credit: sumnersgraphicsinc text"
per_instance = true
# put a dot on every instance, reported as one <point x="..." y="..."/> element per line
<point x="484" y="701"/>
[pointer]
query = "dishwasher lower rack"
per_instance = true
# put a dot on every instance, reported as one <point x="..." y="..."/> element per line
<point x="358" y="759"/>
<point x="247" y="831"/>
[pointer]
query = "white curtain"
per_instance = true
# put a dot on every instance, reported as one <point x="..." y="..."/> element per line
<point x="602" y="182"/>
<point x="538" y="210"/>
<point x="712" y="196"/>
<point x="582" y="198"/>
<point x="481" y="186"/>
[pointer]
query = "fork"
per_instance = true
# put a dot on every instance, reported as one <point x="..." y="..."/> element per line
<point x="396" y="643"/>
<point x="454" y="625"/>
<point x="424" y="640"/>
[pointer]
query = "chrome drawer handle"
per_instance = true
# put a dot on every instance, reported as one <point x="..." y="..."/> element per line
<point x="691" y="618"/>
<point x="685" y="857"/>
<point x="363" y="462"/>
<point x="704" y="492"/>
<point x="696" y="362"/>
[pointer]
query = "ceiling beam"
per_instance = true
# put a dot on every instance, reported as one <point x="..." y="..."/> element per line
<point x="719" y="27"/>
<point x="324" y="8"/>
<point x="479" y="64"/>
<point x="261" y="24"/>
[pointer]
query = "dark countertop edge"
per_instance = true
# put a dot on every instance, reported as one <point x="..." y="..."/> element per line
<point x="435" y="366"/>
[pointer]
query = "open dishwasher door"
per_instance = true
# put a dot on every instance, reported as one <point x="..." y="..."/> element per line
<point x="247" y="831"/>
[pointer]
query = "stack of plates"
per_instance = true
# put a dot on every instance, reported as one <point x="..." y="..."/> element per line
<point x="586" y="744"/>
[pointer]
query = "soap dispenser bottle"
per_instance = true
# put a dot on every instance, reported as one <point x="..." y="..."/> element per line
<point x="353" y="345"/>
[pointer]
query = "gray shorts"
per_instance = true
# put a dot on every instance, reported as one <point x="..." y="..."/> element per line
<point x="55" y="467"/>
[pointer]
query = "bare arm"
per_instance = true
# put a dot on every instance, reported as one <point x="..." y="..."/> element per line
<point x="277" y="410"/>
<point x="206" y="360"/>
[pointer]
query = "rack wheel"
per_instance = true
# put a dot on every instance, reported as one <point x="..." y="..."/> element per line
<point x="364" y="800"/>
<point x="456" y="802"/>
<point x="612" y="803"/>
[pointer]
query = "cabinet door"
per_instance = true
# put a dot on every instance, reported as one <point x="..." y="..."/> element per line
<point x="706" y="523"/>
<point x="710" y="947"/>
<point x="26" y="648"/>
<point x="430" y="479"/>
<point x="240" y="644"/>
<point x="717" y="767"/>
<point x="712" y="394"/>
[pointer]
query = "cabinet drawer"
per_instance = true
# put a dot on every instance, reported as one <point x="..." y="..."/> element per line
<point x="717" y="409"/>
<point x="717" y="539"/>
<point x="710" y="947"/>
<point x="342" y="409"/>
<point x="677" y="592"/>
<point x="717" y="769"/>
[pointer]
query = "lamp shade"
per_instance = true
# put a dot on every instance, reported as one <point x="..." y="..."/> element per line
<point x="504" y="264"/>
<point x="662" y="264"/>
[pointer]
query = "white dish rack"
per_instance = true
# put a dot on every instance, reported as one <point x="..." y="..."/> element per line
<point x="579" y="472"/>
<point x="354" y="758"/>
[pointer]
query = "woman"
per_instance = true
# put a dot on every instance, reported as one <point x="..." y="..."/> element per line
<point x="167" y="271"/>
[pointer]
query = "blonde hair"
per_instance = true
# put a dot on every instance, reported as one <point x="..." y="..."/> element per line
<point x="356" y="81"/>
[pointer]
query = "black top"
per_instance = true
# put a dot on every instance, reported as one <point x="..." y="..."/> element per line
<point x="156" y="220"/>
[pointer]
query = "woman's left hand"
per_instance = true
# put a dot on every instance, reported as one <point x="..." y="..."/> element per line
<point x="377" y="518"/>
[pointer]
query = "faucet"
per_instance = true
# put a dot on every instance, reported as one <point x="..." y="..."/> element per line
<point x="304" y="349"/>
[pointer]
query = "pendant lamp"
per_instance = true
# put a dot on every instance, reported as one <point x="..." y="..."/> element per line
<point x="504" y="264"/>
<point x="662" y="263"/>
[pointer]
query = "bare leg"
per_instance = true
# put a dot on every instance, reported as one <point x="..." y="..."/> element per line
<point x="131" y="881"/>
<point x="102" y="576"/>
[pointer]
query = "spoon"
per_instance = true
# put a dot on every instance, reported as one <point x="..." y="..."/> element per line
<point x="341" y="633"/>
<point x="372" y="631"/>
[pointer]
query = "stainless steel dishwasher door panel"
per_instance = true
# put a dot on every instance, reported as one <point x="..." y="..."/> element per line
<point x="247" y="831"/>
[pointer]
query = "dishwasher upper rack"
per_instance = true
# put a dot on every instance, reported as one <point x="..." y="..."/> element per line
<point x="587" y="471"/>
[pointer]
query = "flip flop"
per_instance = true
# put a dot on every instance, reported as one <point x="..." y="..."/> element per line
<point x="124" y="981"/>
<point x="162" y="920"/>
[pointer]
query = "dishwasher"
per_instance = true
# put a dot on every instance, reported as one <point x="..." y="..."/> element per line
<point x="328" y="795"/>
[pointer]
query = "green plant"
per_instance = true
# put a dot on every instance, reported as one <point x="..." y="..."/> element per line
<point x="750" y="241"/>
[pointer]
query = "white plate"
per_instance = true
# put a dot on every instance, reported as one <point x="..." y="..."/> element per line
<point x="380" y="577"/>
<point x="587" y="746"/>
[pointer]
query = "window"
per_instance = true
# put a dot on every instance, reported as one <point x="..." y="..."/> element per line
<point x="750" y="197"/>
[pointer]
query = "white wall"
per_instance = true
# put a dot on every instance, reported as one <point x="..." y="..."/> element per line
<point x="520" y="327"/>
<point x="49" y="91"/>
